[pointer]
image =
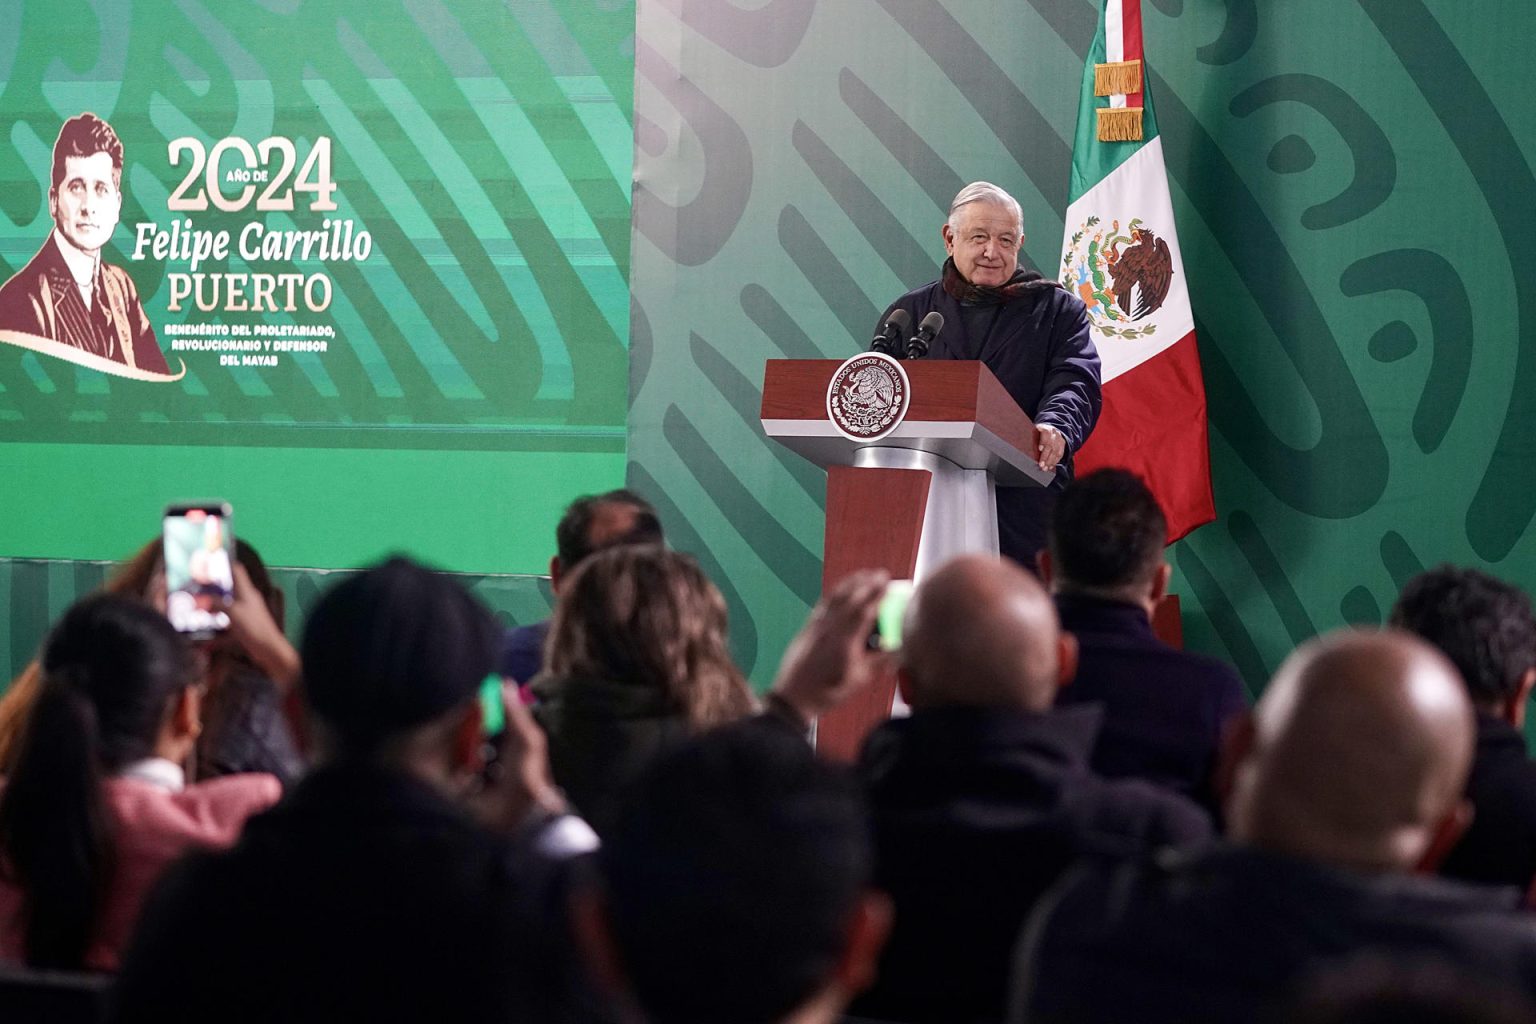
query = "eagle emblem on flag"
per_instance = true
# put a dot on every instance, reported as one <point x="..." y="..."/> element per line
<point x="1122" y="277"/>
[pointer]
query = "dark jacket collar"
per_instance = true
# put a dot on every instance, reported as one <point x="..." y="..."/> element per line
<point x="608" y="698"/>
<point x="1334" y="886"/>
<point x="348" y="795"/>
<point x="1062" y="737"/>
<point x="1082" y="613"/>
<point x="1495" y="734"/>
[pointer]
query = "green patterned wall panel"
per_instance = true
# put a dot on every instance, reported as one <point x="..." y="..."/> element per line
<point x="1355" y="198"/>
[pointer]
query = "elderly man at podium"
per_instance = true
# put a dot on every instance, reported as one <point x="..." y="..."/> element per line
<point x="1028" y="330"/>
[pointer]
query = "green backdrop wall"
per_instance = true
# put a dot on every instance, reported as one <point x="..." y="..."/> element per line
<point x="475" y="365"/>
<point x="1355" y="199"/>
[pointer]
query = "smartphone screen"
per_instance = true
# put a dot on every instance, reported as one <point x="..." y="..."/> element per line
<point x="493" y="713"/>
<point x="199" y="567"/>
<point x="893" y="609"/>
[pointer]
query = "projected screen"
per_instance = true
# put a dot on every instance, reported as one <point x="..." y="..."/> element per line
<point x="285" y="233"/>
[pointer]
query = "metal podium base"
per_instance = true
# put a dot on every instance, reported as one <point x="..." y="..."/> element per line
<point x="961" y="517"/>
<point x="962" y="505"/>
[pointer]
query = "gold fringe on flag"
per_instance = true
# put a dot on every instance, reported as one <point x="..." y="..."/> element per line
<point x="1119" y="124"/>
<point x="1122" y="77"/>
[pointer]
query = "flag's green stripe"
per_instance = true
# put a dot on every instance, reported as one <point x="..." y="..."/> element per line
<point x="1092" y="160"/>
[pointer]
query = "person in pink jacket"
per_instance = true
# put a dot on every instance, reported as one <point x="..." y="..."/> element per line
<point x="96" y="805"/>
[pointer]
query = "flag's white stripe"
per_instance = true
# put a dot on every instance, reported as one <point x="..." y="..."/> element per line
<point x="1114" y="42"/>
<point x="1138" y="188"/>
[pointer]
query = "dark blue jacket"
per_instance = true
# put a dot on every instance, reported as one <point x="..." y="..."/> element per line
<point x="977" y="812"/>
<point x="1230" y="934"/>
<point x="1164" y="709"/>
<point x="1500" y="845"/>
<point x="1040" y="349"/>
<point x="522" y="651"/>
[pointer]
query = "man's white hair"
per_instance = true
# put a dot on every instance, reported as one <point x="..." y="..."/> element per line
<point x="984" y="192"/>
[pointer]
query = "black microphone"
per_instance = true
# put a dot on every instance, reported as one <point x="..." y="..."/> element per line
<point x="888" y="340"/>
<point x="929" y="329"/>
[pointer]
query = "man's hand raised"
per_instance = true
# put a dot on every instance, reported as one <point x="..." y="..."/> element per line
<point x="830" y="657"/>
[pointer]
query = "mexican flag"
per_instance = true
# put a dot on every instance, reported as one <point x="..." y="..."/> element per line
<point x="1120" y="255"/>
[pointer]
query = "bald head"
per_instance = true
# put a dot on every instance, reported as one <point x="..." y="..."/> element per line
<point x="1360" y="752"/>
<point x="981" y="632"/>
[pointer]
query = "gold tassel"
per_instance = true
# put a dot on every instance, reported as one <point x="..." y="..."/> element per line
<point x="1119" y="124"/>
<point x="1122" y="77"/>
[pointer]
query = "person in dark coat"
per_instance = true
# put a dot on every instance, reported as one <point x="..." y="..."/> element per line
<point x="1486" y="628"/>
<point x="399" y="880"/>
<point x="590" y="523"/>
<point x="1165" y="710"/>
<point x="1029" y="331"/>
<point x="1346" y="792"/>
<point x="983" y="797"/>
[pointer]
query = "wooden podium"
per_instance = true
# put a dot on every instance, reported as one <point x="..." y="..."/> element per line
<point x="911" y="500"/>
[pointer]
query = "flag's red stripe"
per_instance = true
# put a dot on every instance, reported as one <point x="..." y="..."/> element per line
<point x="1153" y="424"/>
<point x="1130" y="11"/>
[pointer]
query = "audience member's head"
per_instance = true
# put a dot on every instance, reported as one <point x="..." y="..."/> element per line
<point x="597" y="521"/>
<point x="1359" y="750"/>
<point x="735" y="885"/>
<point x="394" y="658"/>
<point x="1106" y="540"/>
<point x="982" y="632"/>
<point x="1484" y="626"/>
<point x="645" y="616"/>
<point x="116" y="687"/>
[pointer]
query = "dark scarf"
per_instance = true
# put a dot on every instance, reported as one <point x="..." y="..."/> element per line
<point x="978" y="295"/>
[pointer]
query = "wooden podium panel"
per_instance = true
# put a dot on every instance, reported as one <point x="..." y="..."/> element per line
<point x="876" y="516"/>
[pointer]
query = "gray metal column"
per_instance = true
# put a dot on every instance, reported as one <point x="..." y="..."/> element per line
<point x="962" y="505"/>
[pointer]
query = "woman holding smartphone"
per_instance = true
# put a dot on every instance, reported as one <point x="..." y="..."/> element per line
<point x="250" y="716"/>
<point x="96" y="804"/>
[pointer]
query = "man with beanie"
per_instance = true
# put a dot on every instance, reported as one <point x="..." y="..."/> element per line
<point x="400" y="880"/>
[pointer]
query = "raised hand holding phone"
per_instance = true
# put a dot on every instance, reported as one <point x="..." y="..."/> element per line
<point x="258" y="634"/>
<point x="518" y="787"/>
<point x="831" y="658"/>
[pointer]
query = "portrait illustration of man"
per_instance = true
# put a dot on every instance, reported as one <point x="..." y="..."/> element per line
<point x="66" y="302"/>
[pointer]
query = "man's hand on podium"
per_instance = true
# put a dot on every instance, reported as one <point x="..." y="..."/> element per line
<point x="1051" y="445"/>
<point x="830" y="658"/>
